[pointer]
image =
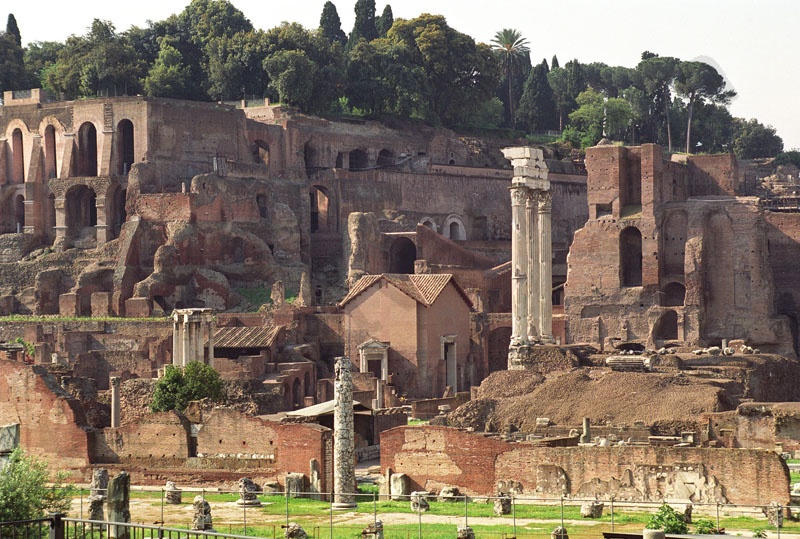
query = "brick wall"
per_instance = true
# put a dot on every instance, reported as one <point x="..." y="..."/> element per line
<point x="433" y="457"/>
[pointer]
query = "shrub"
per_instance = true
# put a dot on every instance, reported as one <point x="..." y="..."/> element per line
<point x="178" y="387"/>
<point x="669" y="520"/>
<point x="705" y="526"/>
<point x="25" y="492"/>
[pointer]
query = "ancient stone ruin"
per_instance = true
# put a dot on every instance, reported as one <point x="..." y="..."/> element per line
<point x="202" y="515"/>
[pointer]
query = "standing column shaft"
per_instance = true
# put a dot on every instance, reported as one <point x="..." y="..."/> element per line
<point x="176" y="341"/>
<point x="531" y="240"/>
<point x="185" y="347"/>
<point x="546" y="268"/>
<point x="115" y="402"/>
<point x="212" y="328"/>
<point x="344" y="469"/>
<point x="519" y="266"/>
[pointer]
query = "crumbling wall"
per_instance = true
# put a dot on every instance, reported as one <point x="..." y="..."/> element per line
<point x="433" y="457"/>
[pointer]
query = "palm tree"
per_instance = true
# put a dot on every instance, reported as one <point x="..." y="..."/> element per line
<point x="512" y="49"/>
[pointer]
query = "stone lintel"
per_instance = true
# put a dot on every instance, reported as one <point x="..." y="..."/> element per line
<point x="526" y="170"/>
<point x="521" y="152"/>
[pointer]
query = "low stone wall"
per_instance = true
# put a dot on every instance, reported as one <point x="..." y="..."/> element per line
<point x="434" y="457"/>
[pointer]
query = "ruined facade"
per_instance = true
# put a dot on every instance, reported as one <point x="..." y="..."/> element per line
<point x="671" y="252"/>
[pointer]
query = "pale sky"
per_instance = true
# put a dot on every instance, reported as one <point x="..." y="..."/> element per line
<point x="754" y="43"/>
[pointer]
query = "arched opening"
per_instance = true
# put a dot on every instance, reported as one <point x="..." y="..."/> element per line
<point x="673" y="295"/>
<point x="322" y="214"/>
<point x="499" y="339"/>
<point x="402" y="255"/>
<point x="630" y="184"/>
<point x="630" y="257"/>
<point x="50" y="152"/>
<point x="454" y="229"/>
<point x="19" y="213"/>
<point x="287" y="396"/>
<point x="81" y="212"/>
<point x="17" y="157"/>
<point x="666" y="327"/>
<point x="261" y="152"/>
<point x="261" y="201"/>
<point x="457" y="231"/>
<point x="428" y="222"/>
<point x="307" y="385"/>
<point x="359" y="160"/>
<point x="386" y="158"/>
<point x="124" y="147"/>
<point x="118" y="213"/>
<point x="87" y="150"/>
<point x="339" y="160"/>
<point x="50" y="225"/>
<point x="297" y="393"/>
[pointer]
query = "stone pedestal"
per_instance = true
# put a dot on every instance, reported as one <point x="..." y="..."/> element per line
<point x="173" y="494"/>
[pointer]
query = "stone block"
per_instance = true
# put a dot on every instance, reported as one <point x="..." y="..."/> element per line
<point x="7" y="305"/>
<point x="296" y="485"/>
<point x="399" y="486"/>
<point x="9" y="438"/>
<point x="137" y="308"/>
<point x="69" y="305"/>
<point x="101" y="304"/>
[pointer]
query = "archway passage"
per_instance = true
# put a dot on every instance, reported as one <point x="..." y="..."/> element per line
<point x="630" y="257"/>
<point x="87" y="150"/>
<point x="386" y="158"/>
<point x="119" y="214"/>
<point x="359" y="160"/>
<point x="19" y="213"/>
<point x="81" y="210"/>
<point x="402" y="255"/>
<point x="307" y="385"/>
<point x="297" y="393"/>
<point x="17" y="157"/>
<point x="666" y="327"/>
<point x="322" y="211"/>
<point x="499" y="340"/>
<point x="125" y="147"/>
<point x="50" y="152"/>
<point x="673" y="295"/>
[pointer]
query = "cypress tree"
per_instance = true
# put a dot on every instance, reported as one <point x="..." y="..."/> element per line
<point x="385" y="21"/>
<point x="13" y="30"/>
<point x="331" y="24"/>
<point x="364" y="27"/>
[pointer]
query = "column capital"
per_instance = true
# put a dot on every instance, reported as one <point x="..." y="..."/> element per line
<point x="545" y="202"/>
<point x="519" y="195"/>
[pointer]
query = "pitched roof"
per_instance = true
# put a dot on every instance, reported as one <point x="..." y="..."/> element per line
<point x="423" y="288"/>
<point x="246" y="337"/>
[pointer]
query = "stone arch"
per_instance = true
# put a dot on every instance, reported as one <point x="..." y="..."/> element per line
<point x="630" y="257"/>
<point x="497" y="349"/>
<point x="673" y="234"/>
<point x="50" y="216"/>
<point x="19" y="213"/>
<point x="287" y="396"/>
<point x="297" y="393"/>
<point x="260" y="151"/>
<point x="673" y="295"/>
<point x="386" y="158"/>
<point x="323" y="210"/>
<point x="125" y="147"/>
<point x="359" y="159"/>
<point x="428" y="222"/>
<point x="261" y="202"/>
<point x="307" y="385"/>
<point x="666" y="327"/>
<point x="454" y="229"/>
<point x="81" y="210"/>
<point x="50" y="166"/>
<point x="402" y="254"/>
<point x="87" y="150"/>
<point x="17" y="157"/>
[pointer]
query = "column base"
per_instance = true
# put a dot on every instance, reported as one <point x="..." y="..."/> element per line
<point x="541" y="356"/>
<point x="520" y="357"/>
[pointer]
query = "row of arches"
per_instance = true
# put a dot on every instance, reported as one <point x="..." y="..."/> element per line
<point x="295" y="391"/>
<point x="86" y="162"/>
<point x="630" y="264"/>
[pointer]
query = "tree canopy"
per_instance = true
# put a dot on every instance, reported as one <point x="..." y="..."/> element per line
<point x="26" y="492"/>
<point x="179" y="386"/>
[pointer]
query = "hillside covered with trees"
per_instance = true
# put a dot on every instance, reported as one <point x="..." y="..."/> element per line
<point x="419" y="68"/>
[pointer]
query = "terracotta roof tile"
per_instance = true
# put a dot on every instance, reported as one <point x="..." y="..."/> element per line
<point x="423" y="288"/>
<point x="246" y="337"/>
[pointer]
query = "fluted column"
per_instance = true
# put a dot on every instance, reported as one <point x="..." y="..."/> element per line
<point x="531" y="241"/>
<point x="545" y="267"/>
<point x="519" y="266"/>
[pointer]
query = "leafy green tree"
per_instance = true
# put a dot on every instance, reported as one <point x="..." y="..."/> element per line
<point x="364" y="26"/>
<point x="385" y="21"/>
<point x="792" y="157"/>
<point x="598" y="116"/>
<point x="235" y="65"/>
<point x="537" y="108"/>
<point x="567" y="82"/>
<point x="554" y="63"/>
<point x="289" y="72"/>
<point x="178" y="387"/>
<point x="699" y="82"/>
<point x="331" y="25"/>
<point x="13" y="30"/>
<point x="100" y="62"/>
<point x="514" y="53"/>
<point x="657" y="74"/>
<point x="753" y="139"/>
<point x="26" y="492"/>
<point x="169" y="76"/>
<point x="13" y="75"/>
<point x="40" y="58"/>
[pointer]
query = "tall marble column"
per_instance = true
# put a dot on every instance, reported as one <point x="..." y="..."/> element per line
<point x="177" y="341"/>
<point x="344" y="468"/>
<point x="546" y="267"/>
<point x="519" y="266"/>
<point x="532" y="218"/>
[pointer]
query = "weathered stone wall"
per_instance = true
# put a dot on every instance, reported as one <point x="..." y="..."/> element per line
<point x="52" y="424"/>
<point x="433" y="457"/>
<point x="162" y="435"/>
